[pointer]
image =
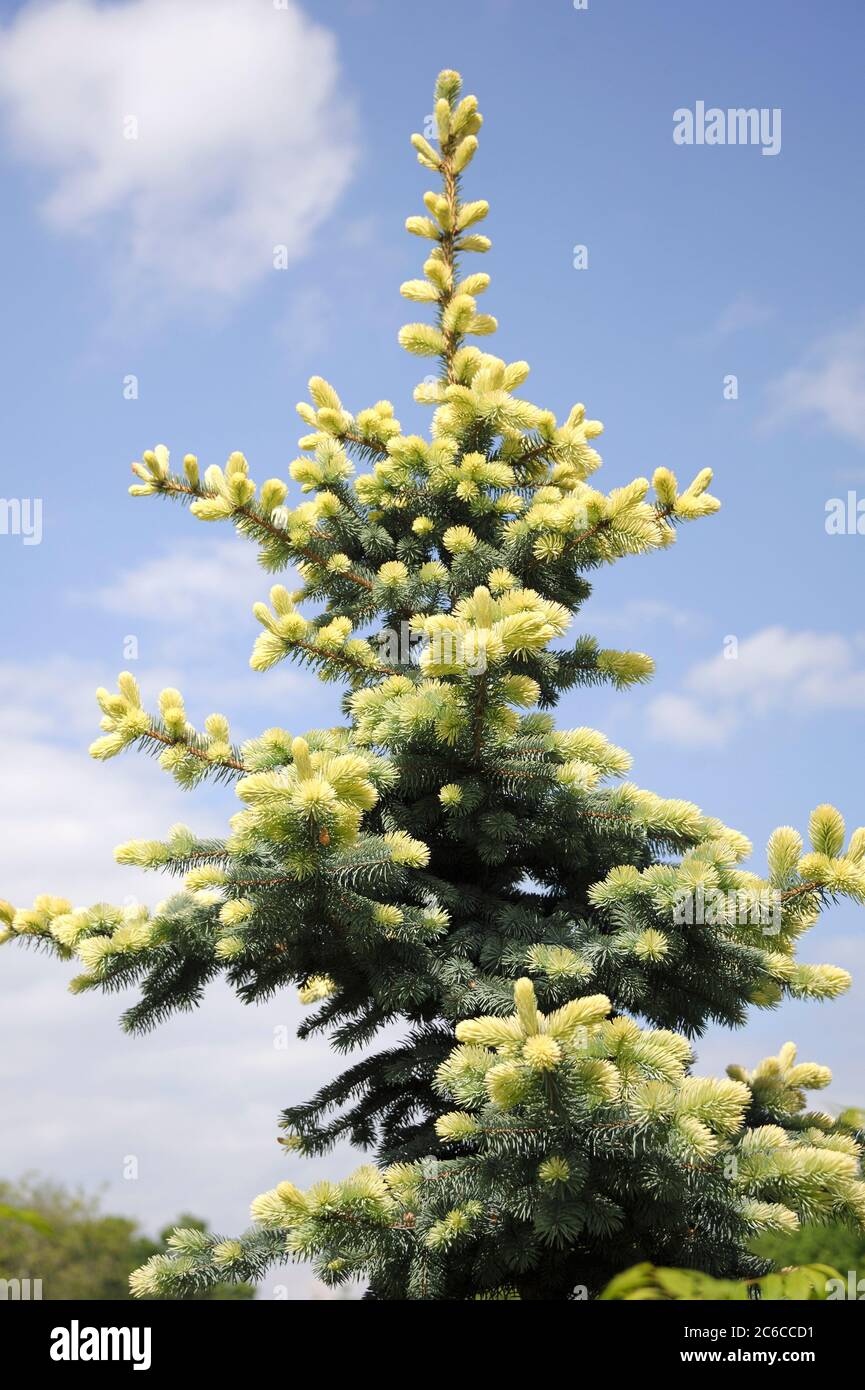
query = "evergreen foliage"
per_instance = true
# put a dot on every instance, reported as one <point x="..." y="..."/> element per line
<point x="76" y="1251"/>
<point x="452" y="860"/>
<point x="807" y="1283"/>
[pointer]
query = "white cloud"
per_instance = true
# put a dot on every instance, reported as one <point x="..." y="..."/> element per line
<point x="41" y="700"/>
<point x="744" y="312"/>
<point x="827" y="387"/>
<point x="773" y="671"/>
<point x="61" y="814"/>
<point x="80" y="1097"/>
<point x="639" y="613"/>
<point x="779" y="668"/>
<point x="244" y="137"/>
<point x="190" y="609"/>
<point x="741" y="314"/>
<point x="209" y="582"/>
<point x="679" y="719"/>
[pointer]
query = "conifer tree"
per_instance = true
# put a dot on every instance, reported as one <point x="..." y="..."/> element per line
<point x="550" y="935"/>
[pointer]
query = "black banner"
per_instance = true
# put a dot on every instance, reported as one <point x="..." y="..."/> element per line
<point x="84" y="1339"/>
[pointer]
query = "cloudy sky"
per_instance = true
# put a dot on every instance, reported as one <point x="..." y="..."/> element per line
<point x="203" y="205"/>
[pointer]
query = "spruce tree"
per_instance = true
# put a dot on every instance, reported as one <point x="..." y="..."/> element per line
<point x="550" y="936"/>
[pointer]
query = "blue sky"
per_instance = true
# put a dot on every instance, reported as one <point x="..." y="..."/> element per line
<point x="261" y="126"/>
